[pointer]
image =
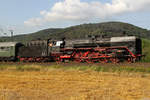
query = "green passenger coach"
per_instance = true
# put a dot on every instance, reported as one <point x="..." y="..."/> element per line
<point x="8" y="51"/>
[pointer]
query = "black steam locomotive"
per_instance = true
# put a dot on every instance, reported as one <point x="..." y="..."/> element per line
<point x="91" y="49"/>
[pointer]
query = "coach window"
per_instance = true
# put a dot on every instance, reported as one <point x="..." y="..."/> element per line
<point x="7" y="48"/>
<point x="4" y="48"/>
<point x="1" y="48"/>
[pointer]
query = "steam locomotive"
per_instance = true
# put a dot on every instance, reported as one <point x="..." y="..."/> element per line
<point x="91" y="49"/>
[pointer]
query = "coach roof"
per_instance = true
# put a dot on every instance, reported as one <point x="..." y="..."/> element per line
<point x="7" y="44"/>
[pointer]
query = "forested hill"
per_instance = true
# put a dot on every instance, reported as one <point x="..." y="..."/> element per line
<point x="80" y="31"/>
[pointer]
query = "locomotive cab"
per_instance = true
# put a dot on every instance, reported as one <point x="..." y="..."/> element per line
<point x="55" y="46"/>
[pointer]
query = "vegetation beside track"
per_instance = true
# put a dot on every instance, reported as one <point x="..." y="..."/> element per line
<point x="122" y="67"/>
<point x="146" y="50"/>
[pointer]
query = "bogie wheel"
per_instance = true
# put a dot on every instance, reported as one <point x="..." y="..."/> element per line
<point x="58" y="60"/>
<point x="131" y="60"/>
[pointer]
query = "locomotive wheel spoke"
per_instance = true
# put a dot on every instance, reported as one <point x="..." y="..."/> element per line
<point x="77" y="57"/>
<point x="90" y="57"/>
<point x="77" y="60"/>
<point x="89" y="61"/>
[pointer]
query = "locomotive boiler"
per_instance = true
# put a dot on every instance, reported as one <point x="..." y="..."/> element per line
<point x="97" y="49"/>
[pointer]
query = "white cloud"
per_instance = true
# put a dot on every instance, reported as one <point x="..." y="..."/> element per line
<point x="76" y="10"/>
<point x="34" y="22"/>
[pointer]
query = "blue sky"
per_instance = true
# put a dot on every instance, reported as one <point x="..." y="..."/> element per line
<point x="26" y="16"/>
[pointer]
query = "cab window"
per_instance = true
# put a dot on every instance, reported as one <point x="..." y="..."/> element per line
<point x="58" y="43"/>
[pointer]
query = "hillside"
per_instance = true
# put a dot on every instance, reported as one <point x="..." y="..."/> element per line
<point x="80" y="31"/>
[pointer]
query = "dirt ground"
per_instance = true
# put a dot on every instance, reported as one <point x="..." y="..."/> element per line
<point x="73" y="85"/>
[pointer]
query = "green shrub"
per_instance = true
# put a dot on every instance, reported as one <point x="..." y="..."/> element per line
<point x="146" y="50"/>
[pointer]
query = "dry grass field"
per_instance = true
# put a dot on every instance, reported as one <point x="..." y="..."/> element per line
<point x="60" y="84"/>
